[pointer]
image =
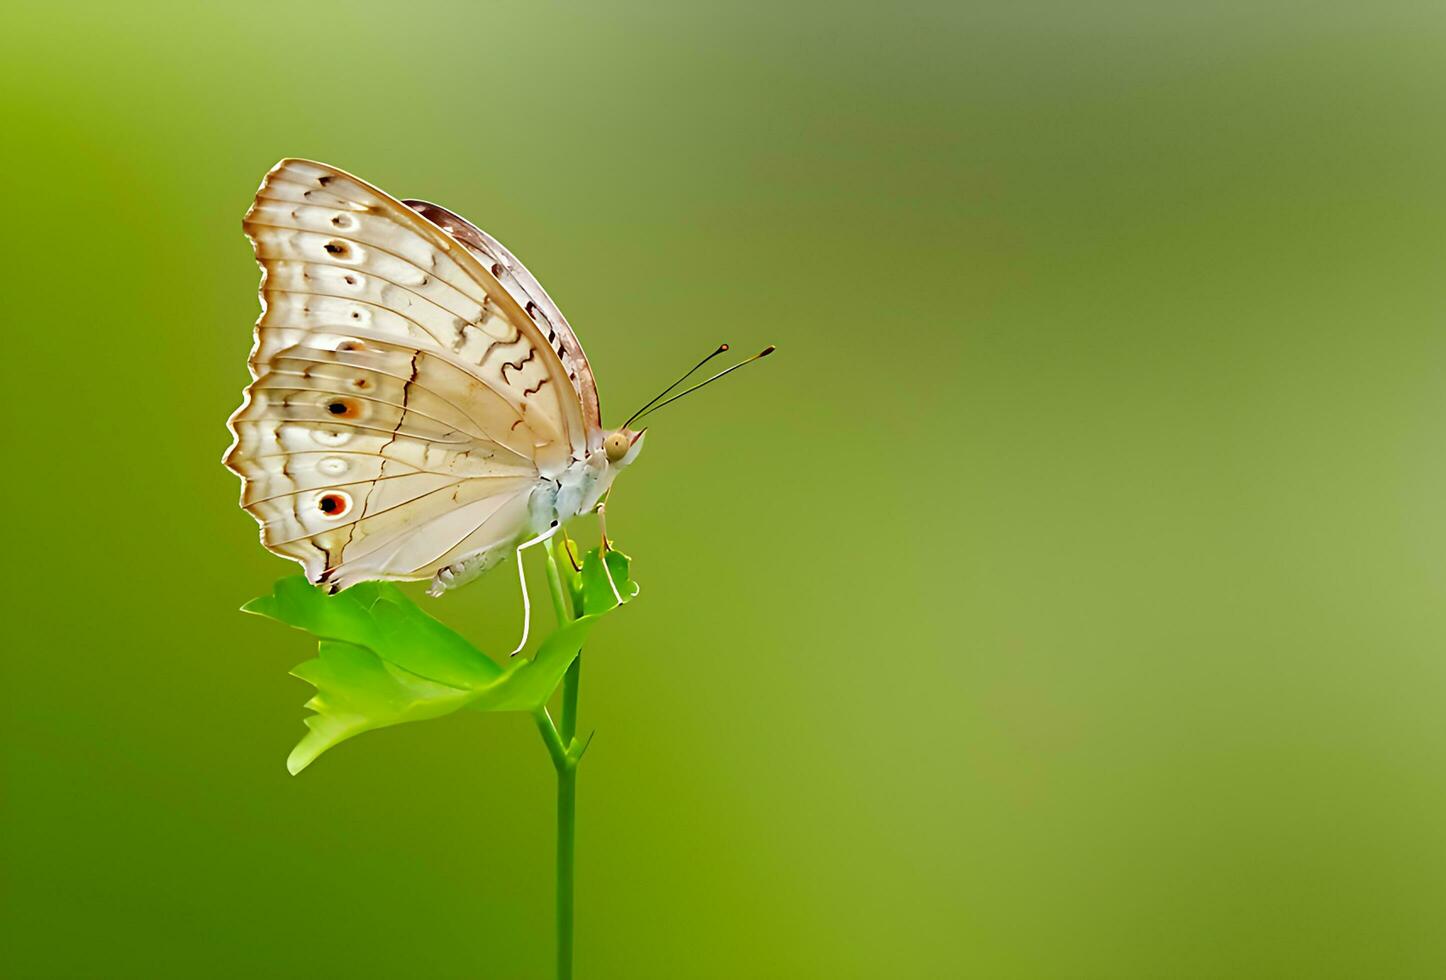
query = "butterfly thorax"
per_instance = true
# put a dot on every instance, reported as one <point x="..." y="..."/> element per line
<point x="576" y="490"/>
<point x="583" y="481"/>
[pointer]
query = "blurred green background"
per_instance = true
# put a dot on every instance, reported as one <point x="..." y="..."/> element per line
<point x="1063" y="600"/>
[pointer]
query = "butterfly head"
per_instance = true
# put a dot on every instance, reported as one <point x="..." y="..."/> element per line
<point x="623" y="445"/>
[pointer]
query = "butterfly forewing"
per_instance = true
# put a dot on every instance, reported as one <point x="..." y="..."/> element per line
<point x="404" y="403"/>
<point x="533" y="299"/>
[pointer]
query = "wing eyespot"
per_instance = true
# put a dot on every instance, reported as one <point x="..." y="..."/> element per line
<point x="334" y="503"/>
<point x="331" y="437"/>
<point x="342" y="407"/>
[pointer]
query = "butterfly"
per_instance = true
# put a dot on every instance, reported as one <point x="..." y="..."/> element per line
<point x="419" y="407"/>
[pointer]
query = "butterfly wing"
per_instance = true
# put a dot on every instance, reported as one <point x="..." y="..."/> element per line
<point x="404" y="405"/>
<point x="533" y="299"/>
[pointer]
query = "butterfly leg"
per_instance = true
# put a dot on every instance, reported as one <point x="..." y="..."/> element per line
<point x="522" y="579"/>
<point x="602" y="520"/>
<point x="602" y="523"/>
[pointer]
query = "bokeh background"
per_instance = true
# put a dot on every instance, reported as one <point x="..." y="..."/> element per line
<point x="1064" y="600"/>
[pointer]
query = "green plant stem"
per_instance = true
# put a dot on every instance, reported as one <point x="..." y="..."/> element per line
<point x="561" y="602"/>
<point x="556" y="749"/>
<point x="566" y="822"/>
<point x="567" y="726"/>
<point x="561" y="745"/>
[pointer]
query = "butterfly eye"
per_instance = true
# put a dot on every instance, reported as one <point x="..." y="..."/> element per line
<point x="616" y="446"/>
<point x="334" y="503"/>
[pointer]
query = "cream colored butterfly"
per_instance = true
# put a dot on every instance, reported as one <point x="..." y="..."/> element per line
<point x="420" y="408"/>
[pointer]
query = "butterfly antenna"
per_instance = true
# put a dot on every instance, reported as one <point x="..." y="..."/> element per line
<point x="688" y="391"/>
<point x="722" y="348"/>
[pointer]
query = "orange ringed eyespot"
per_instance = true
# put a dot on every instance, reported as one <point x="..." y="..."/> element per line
<point x="333" y="504"/>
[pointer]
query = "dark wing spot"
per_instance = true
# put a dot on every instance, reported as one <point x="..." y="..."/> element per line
<point x="343" y="407"/>
<point x="323" y="181"/>
<point x="333" y="504"/>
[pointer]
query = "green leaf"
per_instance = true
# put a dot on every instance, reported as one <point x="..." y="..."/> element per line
<point x="383" y="661"/>
<point x="356" y="691"/>
<point x="379" y="616"/>
<point x="587" y="584"/>
<point x="597" y="592"/>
